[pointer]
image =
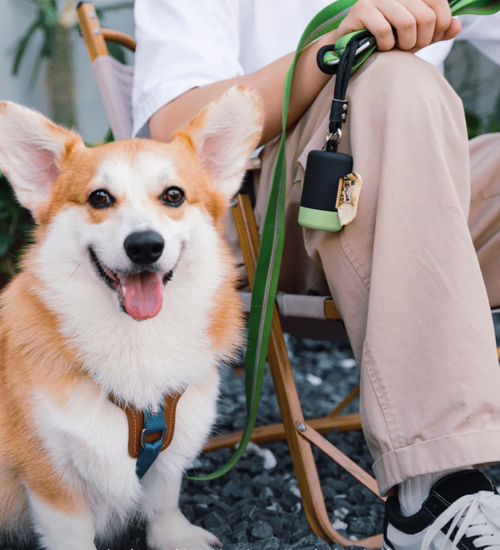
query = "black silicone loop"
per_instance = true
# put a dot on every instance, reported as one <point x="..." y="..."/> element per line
<point x="327" y="69"/>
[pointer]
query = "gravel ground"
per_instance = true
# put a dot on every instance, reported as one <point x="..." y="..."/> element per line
<point x="257" y="505"/>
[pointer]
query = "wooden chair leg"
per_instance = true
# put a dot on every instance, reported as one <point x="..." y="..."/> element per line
<point x="291" y="412"/>
<point x="276" y="432"/>
<point x="347" y="401"/>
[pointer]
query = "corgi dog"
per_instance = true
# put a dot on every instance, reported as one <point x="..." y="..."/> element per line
<point x="127" y="295"/>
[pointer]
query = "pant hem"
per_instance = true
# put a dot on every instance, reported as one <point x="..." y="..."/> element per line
<point x="436" y="455"/>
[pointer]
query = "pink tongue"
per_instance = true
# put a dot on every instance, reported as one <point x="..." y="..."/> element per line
<point x="143" y="294"/>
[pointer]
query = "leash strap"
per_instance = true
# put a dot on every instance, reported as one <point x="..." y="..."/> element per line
<point x="271" y="248"/>
<point x="153" y="423"/>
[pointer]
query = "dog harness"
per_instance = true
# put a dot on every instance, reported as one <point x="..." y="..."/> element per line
<point x="273" y="229"/>
<point x="150" y="431"/>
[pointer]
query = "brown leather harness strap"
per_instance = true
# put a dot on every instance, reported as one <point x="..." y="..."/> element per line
<point x="135" y="418"/>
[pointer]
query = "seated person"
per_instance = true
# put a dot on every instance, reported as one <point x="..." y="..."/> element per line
<point x="415" y="274"/>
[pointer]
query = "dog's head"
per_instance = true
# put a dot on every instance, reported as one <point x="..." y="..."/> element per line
<point x="128" y="211"/>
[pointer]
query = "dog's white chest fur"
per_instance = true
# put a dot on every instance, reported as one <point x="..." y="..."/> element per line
<point x="87" y="438"/>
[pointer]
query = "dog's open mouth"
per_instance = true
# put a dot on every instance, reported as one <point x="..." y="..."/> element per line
<point x="140" y="293"/>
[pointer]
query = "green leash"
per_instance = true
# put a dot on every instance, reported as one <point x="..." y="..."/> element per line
<point x="273" y="233"/>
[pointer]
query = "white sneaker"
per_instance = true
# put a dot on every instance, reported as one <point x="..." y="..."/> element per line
<point x="462" y="512"/>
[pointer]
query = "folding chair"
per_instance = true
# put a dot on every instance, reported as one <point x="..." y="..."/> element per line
<point x="314" y="315"/>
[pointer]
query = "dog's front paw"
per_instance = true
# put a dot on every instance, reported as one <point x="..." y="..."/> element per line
<point x="176" y="533"/>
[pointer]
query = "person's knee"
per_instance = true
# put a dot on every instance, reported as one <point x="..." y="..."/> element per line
<point x="398" y="77"/>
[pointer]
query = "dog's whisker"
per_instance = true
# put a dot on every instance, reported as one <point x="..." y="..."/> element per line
<point x="74" y="271"/>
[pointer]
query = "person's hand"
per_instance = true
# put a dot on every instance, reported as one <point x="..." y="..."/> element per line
<point x="417" y="23"/>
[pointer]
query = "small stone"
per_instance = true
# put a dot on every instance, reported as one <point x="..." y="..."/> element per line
<point x="347" y="363"/>
<point x="339" y="525"/>
<point x="311" y="542"/>
<point x="365" y="525"/>
<point x="262" y="480"/>
<point x="266" y="493"/>
<point x="240" y="532"/>
<point x="329" y="492"/>
<point x="294" y="489"/>
<point x="339" y="486"/>
<point x="268" y="458"/>
<point x="248" y="511"/>
<point x="221" y="530"/>
<point x="262" y="530"/>
<point x="272" y="543"/>
<point x="341" y="512"/>
<point x="301" y="532"/>
<point x="213" y="520"/>
<point x="314" y="380"/>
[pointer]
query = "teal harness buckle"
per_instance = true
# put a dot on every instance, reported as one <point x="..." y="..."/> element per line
<point x="153" y="423"/>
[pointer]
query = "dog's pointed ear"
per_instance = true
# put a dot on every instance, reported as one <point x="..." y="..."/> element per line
<point x="31" y="149"/>
<point x="224" y="135"/>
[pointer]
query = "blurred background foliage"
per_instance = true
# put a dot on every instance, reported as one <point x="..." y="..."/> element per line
<point x="461" y="71"/>
<point x="56" y="21"/>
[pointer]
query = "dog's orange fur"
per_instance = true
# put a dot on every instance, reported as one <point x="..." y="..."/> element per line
<point x="34" y="355"/>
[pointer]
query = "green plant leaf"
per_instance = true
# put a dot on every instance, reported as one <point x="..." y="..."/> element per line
<point x="6" y="241"/>
<point x="22" y="46"/>
<point x="474" y="124"/>
<point x="493" y="120"/>
<point x="36" y="69"/>
<point x="116" y="51"/>
<point x="109" y="137"/>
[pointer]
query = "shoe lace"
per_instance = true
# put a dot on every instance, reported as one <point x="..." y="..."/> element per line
<point x="476" y="515"/>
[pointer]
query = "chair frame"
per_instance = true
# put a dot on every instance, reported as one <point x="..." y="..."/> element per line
<point x="301" y="434"/>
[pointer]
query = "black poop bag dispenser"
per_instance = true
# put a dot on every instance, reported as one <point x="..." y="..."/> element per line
<point x="331" y="190"/>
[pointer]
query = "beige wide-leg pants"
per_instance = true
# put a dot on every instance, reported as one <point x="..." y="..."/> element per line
<point x="405" y="274"/>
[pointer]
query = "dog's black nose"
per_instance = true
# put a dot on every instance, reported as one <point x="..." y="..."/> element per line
<point x="144" y="247"/>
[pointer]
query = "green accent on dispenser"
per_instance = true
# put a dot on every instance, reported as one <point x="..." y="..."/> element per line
<point x="323" y="220"/>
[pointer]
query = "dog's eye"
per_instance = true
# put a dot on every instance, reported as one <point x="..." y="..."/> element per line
<point x="173" y="196"/>
<point x="100" y="198"/>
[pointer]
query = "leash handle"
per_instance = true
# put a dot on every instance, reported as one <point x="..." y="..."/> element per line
<point x="331" y="54"/>
<point x="273" y="231"/>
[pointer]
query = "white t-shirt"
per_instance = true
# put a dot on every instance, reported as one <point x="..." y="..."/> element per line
<point x="183" y="44"/>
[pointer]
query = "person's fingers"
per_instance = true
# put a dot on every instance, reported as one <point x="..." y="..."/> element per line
<point x="402" y="20"/>
<point x="426" y="19"/>
<point x="364" y="15"/>
<point x="417" y="23"/>
<point x="381" y="29"/>
<point x="454" y="28"/>
<point x="443" y="16"/>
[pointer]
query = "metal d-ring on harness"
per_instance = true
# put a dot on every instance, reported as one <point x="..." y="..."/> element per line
<point x="151" y="430"/>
